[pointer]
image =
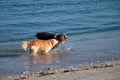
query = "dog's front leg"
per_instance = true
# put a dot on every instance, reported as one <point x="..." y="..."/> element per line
<point x="34" y="50"/>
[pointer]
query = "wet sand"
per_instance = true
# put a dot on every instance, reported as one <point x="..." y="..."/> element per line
<point x="101" y="71"/>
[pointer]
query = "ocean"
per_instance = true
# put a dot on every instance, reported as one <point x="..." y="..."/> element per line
<point x="92" y="27"/>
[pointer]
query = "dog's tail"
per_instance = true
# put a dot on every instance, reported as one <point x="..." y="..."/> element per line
<point x="25" y="45"/>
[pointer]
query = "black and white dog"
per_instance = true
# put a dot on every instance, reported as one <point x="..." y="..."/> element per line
<point x="47" y="36"/>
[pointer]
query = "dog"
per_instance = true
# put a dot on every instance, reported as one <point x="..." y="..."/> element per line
<point x="44" y="46"/>
<point x="45" y="35"/>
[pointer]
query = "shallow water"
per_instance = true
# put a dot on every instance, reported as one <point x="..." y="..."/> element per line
<point x="93" y="28"/>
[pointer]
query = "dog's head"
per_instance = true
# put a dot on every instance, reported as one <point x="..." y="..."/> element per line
<point x="61" y="37"/>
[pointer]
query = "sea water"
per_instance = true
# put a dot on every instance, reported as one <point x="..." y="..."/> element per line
<point x="92" y="27"/>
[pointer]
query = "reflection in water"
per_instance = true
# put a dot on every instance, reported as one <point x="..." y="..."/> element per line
<point x="35" y="62"/>
<point x="42" y="61"/>
<point x="46" y="58"/>
<point x="42" y="58"/>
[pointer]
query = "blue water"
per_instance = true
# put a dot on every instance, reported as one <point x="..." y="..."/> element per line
<point x="93" y="28"/>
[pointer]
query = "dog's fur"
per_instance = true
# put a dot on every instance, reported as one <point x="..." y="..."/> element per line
<point x="43" y="45"/>
<point x="45" y="35"/>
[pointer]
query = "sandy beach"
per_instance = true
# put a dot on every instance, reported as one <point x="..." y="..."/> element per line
<point x="100" y="71"/>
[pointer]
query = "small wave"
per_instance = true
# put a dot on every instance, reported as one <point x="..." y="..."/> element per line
<point x="9" y="55"/>
<point x="96" y="30"/>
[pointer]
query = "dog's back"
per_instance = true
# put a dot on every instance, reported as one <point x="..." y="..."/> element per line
<point x="45" y="36"/>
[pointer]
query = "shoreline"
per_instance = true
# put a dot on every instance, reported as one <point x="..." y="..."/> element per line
<point x="101" y="71"/>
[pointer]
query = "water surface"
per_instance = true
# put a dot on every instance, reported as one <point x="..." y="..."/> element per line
<point x="93" y="28"/>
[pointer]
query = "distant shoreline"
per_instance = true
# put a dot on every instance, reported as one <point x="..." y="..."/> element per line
<point x="109" y="71"/>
